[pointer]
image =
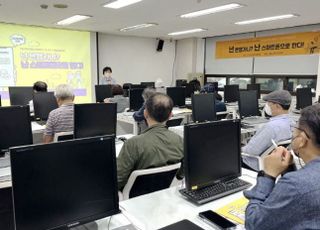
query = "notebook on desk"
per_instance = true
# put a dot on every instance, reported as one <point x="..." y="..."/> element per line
<point x="212" y="161"/>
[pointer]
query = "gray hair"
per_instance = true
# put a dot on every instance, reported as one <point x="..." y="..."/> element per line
<point x="64" y="92"/>
<point x="147" y="93"/>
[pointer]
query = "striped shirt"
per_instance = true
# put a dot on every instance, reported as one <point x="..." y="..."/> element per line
<point x="60" y="120"/>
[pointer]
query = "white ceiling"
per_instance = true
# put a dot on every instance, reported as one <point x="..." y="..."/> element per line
<point x="164" y="12"/>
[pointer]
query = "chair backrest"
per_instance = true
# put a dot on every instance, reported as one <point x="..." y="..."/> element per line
<point x="146" y="181"/>
<point x="285" y="144"/>
<point x="174" y="122"/>
<point x="126" y="87"/>
<point x="63" y="136"/>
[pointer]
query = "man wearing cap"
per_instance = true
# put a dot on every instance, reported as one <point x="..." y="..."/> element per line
<point x="278" y="128"/>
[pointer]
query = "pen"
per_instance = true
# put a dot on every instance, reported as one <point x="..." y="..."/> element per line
<point x="274" y="143"/>
<point x="276" y="146"/>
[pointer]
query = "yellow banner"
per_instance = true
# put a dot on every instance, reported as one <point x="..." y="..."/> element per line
<point x="280" y="45"/>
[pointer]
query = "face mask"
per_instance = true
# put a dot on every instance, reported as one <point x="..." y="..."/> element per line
<point x="267" y="109"/>
<point x="108" y="75"/>
<point x="294" y="149"/>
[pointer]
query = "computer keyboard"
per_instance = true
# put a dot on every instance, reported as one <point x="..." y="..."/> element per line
<point x="215" y="191"/>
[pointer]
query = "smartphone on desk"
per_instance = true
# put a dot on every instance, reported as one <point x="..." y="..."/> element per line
<point x="216" y="220"/>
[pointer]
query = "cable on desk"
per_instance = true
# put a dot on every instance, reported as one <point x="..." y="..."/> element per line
<point x="129" y="220"/>
<point x="109" y="222"/>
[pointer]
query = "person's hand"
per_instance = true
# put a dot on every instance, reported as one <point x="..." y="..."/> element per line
<point x="107" y="100"/>
<point x="277" y="162"/>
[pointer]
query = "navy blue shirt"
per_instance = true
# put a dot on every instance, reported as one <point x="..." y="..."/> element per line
<point x="138" y="115"/>
<point x="220" y="106"/>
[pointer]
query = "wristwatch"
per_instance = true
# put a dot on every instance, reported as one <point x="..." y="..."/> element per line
<point x="263" y="174"/>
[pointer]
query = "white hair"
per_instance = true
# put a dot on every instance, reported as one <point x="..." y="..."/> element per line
<point x="64" y="92"/>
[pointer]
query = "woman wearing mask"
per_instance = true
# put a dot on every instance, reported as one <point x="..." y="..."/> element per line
<point x="278" y="127"/>
<point x="294" y="201"/>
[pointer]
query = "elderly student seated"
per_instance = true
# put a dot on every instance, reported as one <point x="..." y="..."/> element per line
<point x="293" y="202"/>
<point x="278" y="128"/>
<point x="60" y="119"/>
<point x="156" y="146"/>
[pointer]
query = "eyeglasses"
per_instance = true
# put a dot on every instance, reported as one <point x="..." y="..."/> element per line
<point x="293" y="127"/>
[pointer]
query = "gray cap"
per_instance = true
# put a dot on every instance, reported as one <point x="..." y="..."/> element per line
<point x="282" y="97"/>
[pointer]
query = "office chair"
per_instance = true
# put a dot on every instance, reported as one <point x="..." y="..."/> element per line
<point x="63" y="136"/>
<point x="146" y="181"/>
<point x="174" y="122"/>
<point x="259" y="159"/>
<point x="126" y="87"/>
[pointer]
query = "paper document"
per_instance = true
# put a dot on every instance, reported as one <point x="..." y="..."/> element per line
<point x="235" y="210"/>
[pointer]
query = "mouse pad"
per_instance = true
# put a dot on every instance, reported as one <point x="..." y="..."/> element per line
<point x="182" y="225"/>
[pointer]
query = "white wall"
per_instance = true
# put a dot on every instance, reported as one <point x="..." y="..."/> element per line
<point x="185" y="57"/>
<point x="190" y="58"/>
<point x="135" y="59"/>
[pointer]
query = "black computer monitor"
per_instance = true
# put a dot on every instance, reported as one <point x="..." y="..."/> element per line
<point x="211" y="153"/>
<point x="135" y="99"/>
<point x="103" y="92"/>
<point x="181" y="82"/>
<point x="248" y="103"/>
<point x="189" y="89"/>
<point x="0" y="101"/>
<point x="148" y="84"/>
<point x="304" y="98"/>
<point x="178" y="95"/>
<point x="203" y="107"/>
<point x="64" y="184"/>
<point x="15" y="127"/>
<point x="231" y="93"/>
<point x="138" y="86"/>
<point x="44" y="103"/>
<point x="255" y="87"/>
<point x="20" y="95"/>
<point x="92" y="120"/>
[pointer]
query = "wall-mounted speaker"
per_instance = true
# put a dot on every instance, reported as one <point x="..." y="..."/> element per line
<point x="160" y="45"/>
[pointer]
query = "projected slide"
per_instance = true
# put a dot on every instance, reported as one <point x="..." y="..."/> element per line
<point x="29" y="54"/>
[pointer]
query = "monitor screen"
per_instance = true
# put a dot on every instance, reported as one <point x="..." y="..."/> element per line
<point x="92" y="120"/>
<point x="255" y="87"/>
<point x="64" y="184"/>
<point x="211" y="152"/>
<point x="15" y="127"/>
<point x="148" y="84"/>
<point x="135" y="99"/>
<point x="203" y="107"/>
<point x="231" y="93"/>
<point x="178" y="95"/>
<point x="0" y="101"/>
<point x="248" y="103"/>
<point x="189" y="89"/>
<point x="103" y="92"/>
<point x="138" y="86"/>
<point x="181" y="82"/>
<point x="20" y="95"/>
<point x="44" y="103"/>
<point x="304" y="98"/>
